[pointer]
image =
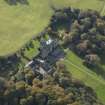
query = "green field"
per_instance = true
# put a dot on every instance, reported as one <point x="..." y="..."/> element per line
<point x="19" y="23"/>
<point x="90" y="78"/>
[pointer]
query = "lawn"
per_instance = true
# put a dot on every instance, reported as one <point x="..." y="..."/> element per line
<point x="19" y="23"/>
<point x="90" y="78"/>
<point x="31" y="52"/>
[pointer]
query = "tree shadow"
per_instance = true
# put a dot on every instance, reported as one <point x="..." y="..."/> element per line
<point x="8" y="64"/>
<point x="15" y="2"/>
<point x="26" y="58"/>
<point x="98" y="69"/>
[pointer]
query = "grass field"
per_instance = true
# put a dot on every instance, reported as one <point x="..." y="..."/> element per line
<point x="19" y="23"/>
<point x="90" y="78"/>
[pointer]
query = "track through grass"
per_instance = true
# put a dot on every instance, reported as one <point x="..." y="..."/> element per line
<point x="79" y="71"/>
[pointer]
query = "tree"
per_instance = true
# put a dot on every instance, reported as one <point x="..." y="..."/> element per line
<point x="20" y="88"/>
<point x="100" y="26"/>
<point x="41" y="99"/>
<point x="84" y="36"/>
<point x="86" y="23"/>
<point x="103" y="46"/>
<point x="92" y="59"/>
<point x="30" y="100"/>
<point x="3" y="84"/>
<point x="23" y="101"/>
<point x="60" y="65"/>
<point x="64" y="82"/>
<point x="82" y="47"/>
